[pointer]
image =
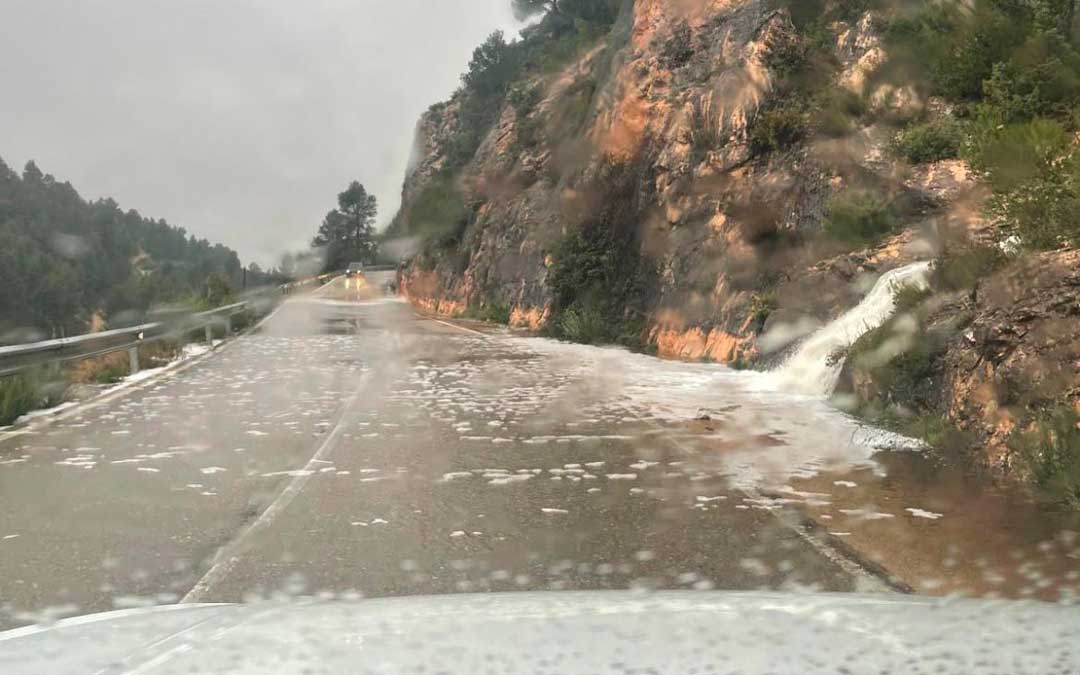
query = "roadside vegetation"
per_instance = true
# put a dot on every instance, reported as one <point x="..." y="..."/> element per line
<point x="22" y="393"/>
<point x="600" y="281"/>
<point x="1051" y="453"/>
<point x="1011" y="71"/>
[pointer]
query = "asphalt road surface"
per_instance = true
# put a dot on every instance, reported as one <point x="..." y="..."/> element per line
<point x="357" y="448"/>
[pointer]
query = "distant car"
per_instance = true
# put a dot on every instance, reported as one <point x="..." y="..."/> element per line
<point x="354" y="270"/>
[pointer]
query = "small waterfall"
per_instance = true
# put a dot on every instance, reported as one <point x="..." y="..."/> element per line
<point x="809" y="369"/>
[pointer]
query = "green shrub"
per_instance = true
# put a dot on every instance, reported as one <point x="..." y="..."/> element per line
<point x="601" y="283"/>
<point x="908" y="298"/>
<point x="901" y="358"/>
<point x="953" y="47"/>
<point x="113" y="372"/>
<point x="1034" y="170"/>
<point x="961" y="266"/>
<point x="1013" y="154"/>
<point x="525" y="98"/>
<point x="930" y="141"/>
<point x="777" y="129"/>
<point x="677" y="50"/>
<point x="1045" y="212"/>
<point x="599" y="286"/>
<point x="1041" y="79"/>
<point x="762" y="305"/>
<point x="1051" y="453"/>
<point x="494" y="312"/>
<point x="858" y="218"/>
<point x="586" y="324"/>
<point x="838" y="111"/>
<point x="19" y="394"/>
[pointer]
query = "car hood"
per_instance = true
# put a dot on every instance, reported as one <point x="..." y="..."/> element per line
<point x="573" y="632"/>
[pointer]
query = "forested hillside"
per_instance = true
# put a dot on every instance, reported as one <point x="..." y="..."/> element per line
<point x="67" y="264"/>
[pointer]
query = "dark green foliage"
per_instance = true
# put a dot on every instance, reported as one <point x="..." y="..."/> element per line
<point x="494" y="65"/>
<point x="1051" y="452"/>
<point x="762" y="305"/>
<point x="525" y="98"/>
<point x="19" y="395"/>
<point x="62" y="259"/>
<point x="678" y="49"/>
<point x="960" y="266"/>
<point x="347" y="234"/>
<point x="1042" y="78"/>
<point x="438" y="214"/>
<point x="930" y="141"/>
<point x="497" y="65"/>
<point x="1045" y="212"/>
<point x="528" y="127"/>
<point x="1034" y="168"/>
<point x="954" y="48"/>
<point x="29" y="390"/>
<point x="858" y="218"/>
<point x="901" y="359"/>
<point x="495" y="312"/>
<point x="594" y="11"/>
<point x="601" y="283"/>
<point x="809" y="13"/>
<point x="837" y="112"/>
<point x="777" y="129"/>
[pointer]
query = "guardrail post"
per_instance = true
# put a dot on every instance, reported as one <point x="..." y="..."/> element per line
<point x="210" y="335"/>
<point x="133" y="359"/>
<point x="228" y="326"/>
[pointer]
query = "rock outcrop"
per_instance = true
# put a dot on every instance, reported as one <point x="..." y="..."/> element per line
<point x="680" y="93"/>
<point x="676" y="88"/>
<point x="1019" y="353"/>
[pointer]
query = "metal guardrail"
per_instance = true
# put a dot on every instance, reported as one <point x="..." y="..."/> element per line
<point x="17" y="358"/>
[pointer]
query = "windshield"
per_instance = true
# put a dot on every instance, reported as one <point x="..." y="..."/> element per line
<point x="333" y="302"/>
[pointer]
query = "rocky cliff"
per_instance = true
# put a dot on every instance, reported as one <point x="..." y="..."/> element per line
<point x="676" y="89"/>
<point x="706" y="145"/>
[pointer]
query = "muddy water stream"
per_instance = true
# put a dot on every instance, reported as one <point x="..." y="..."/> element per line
<point x="942" y="530"/>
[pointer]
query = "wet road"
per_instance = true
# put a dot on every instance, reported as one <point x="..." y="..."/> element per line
<point x="358" y="448"/>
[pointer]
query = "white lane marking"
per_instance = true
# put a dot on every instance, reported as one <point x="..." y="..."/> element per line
<point x="16" y="633"/>
<point x="227" y="558"/>
<point x="454" y="325"/>
<point x="855" y="570"/>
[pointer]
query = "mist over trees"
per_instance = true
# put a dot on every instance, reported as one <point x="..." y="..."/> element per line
<point x="66" y="262"/>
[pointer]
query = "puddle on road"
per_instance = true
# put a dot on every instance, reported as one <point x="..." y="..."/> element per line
<point x="943" y="530"/>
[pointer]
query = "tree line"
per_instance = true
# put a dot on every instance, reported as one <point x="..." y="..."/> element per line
<point x="67" y="264"/>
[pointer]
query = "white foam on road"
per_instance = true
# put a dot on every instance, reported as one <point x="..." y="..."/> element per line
<point x="769" y="434"/>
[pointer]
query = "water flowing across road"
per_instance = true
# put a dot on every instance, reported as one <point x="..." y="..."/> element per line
<point x="815" y="367"/>
<point x="358" y="448"/>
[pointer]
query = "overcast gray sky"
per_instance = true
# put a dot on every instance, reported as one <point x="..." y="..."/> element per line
<point x="239" y="120"/>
